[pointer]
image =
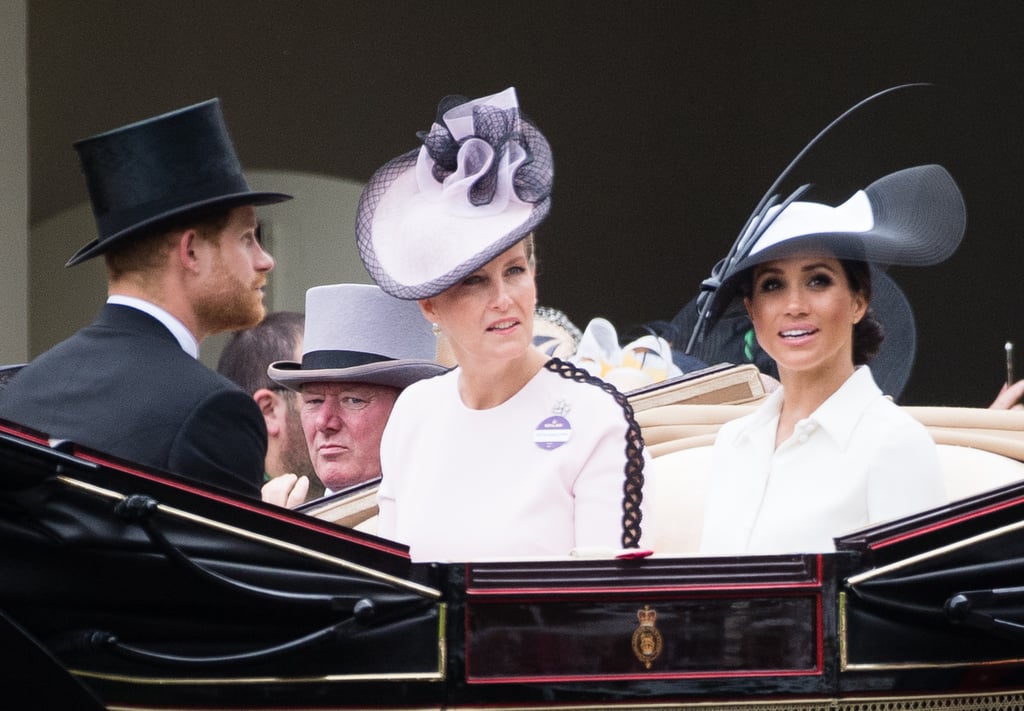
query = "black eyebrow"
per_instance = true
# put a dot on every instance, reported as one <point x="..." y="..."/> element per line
<point x="808" y="268"/>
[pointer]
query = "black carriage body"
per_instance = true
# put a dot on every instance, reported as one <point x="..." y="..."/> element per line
<point x="147" y="591"/>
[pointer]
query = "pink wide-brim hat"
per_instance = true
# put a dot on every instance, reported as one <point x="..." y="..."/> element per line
<point x="479" y="184"/>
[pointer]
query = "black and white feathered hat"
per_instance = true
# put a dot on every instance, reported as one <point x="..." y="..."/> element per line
<point x="480" y="183"/>
<point x="913" y="217"/>
<point x="356" y="333"/>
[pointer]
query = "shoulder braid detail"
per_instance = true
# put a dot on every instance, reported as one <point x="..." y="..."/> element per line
<point x="633" y="485"/>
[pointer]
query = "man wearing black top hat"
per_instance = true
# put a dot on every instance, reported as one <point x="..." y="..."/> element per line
<point x="177" y="228"/>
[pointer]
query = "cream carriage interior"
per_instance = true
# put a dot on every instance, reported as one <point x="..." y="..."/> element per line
<point x="979" y="450"/>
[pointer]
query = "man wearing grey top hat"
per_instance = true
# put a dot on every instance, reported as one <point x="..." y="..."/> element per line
<point x="177" y="229"/>
<point x="362" y="347"/>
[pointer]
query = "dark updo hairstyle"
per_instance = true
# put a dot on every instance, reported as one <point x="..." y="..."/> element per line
<point x="867" y="333"/>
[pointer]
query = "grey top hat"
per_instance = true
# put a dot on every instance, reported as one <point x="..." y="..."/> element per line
<point x="358" y="333"/>
<point x="160" y="170"/>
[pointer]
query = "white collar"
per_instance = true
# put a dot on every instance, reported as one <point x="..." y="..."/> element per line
<point x="841" y="412"/>
<point x="838" y="415"/>
<point x="185" y="339"/>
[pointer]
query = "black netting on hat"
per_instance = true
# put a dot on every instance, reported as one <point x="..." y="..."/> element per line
<point x="498" y="127"/>
<point x="368" y="201"/>
<point x="534" y="179"/>
<point x="436" y="286"/>
<point x="494" y="126"/>
<point x="371" y="197"/>
<point x="532" y="183"/>
<point x="443" y="150"/>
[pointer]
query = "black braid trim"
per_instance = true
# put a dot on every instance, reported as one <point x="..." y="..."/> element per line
<point x="633" y="486"/>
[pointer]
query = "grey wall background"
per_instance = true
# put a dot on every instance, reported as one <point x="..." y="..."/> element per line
<point x="13" y="191"/>
<point x="668" y="119"/>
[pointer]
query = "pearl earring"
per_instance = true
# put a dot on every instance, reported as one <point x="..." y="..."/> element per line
<point x="436" y="329"/>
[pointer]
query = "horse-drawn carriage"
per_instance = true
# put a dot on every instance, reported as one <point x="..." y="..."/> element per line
<point x="132" y="589"/>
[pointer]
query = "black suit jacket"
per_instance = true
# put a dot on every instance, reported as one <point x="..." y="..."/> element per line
<point x="124" y="386"/>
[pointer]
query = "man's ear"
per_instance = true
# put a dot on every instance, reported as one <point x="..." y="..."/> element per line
<point x="187" y="249"/>
<point x="272" y="407"/>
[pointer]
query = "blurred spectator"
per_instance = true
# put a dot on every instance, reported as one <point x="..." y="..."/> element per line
<point x="245" y="359"/>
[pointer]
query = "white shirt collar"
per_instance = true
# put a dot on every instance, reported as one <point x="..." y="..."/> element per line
<point x="837" y="416"/>
<point x="185" y="339"/>
<point x="841" y="412"/>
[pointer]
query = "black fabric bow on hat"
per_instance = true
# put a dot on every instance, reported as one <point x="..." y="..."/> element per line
<point x="479" y="182"/>
<point x="499" y="128"/>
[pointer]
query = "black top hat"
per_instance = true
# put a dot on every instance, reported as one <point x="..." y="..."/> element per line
<point x="159" y="170"/>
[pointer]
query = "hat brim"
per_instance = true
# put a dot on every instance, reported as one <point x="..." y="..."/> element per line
<point x="394" y="373"/>
<point x="919" y="219"/>
<point x="99" y="246"/>
<point x="393" y="218"/>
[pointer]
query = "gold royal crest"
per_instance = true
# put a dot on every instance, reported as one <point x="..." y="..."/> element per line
<point x="646" y="637"/>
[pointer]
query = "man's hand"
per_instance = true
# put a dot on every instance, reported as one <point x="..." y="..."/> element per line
<point x="286" y="490"/>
